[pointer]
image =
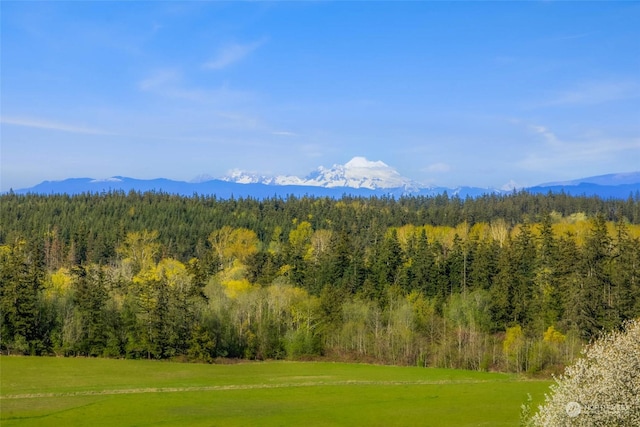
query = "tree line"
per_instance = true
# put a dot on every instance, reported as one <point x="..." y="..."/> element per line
<point x="513" y="282"/>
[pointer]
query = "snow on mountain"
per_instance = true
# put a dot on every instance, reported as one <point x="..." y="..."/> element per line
<point x="242" y="177"/>
<point x="202" y="178"/>
<point x="111" y="179"/>
<point x="360" y="173"/>
<point x="356" y="173"/>
<point x="510" y="186"/>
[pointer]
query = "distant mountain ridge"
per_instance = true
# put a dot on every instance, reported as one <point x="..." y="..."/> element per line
<point x="609" y="180"/>
<point x="358" y="177"/>
<point x="225" y="189"/>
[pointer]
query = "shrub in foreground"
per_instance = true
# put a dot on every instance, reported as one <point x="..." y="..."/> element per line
<point x="602" y="388"/>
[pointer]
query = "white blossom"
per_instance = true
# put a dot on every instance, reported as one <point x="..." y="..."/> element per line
<point x="602" y="388"/>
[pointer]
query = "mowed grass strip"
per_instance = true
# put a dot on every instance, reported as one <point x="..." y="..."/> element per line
<point x="77" y="392"/>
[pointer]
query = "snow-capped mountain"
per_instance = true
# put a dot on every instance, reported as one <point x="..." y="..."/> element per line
<point x="356" y="173"/>
<point x="243" y="177"/>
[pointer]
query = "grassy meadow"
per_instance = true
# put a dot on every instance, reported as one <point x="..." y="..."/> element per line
<point x="40" y="391"/>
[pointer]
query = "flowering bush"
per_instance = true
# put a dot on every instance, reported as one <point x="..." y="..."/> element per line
<point x="602" y="388"/>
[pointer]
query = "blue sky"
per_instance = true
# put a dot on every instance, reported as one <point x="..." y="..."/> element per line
<point x="448" y="93"/>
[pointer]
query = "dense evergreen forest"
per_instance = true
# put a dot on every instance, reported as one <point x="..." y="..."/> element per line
<point x="514" y="282"/>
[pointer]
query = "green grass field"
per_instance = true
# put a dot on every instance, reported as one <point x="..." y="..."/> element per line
<point x="104" y="392"/>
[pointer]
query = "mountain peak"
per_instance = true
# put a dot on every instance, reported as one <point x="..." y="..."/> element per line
<point x="362" y="162"/>
<point x="359" y="172"/>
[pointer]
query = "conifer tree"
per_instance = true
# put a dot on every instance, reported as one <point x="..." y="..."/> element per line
<point x="21" y="275"/>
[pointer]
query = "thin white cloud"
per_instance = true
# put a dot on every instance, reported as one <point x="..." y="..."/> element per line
<point x="232" y="53"/>
<point x="312" y="150"/>
<point x="284" y="133"/>
<point x="38" y="123"/>
<point x="585" y="155"/>
<point x="557" y="152"/>
<point x="569" y="37"/>
<point x="158" y="79"/>
<point x="238" y="121"/>
<point x="168" y="82"/>
<point x="438" y="168"/>
<point x="548" y="136"/>
<point x="595" y="93"/>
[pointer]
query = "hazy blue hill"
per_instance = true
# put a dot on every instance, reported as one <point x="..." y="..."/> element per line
<point x="225" y="189"/>
<point x="219" y="188"/>
<point x="612" y="179"/>
<point x="586" y="189"/>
